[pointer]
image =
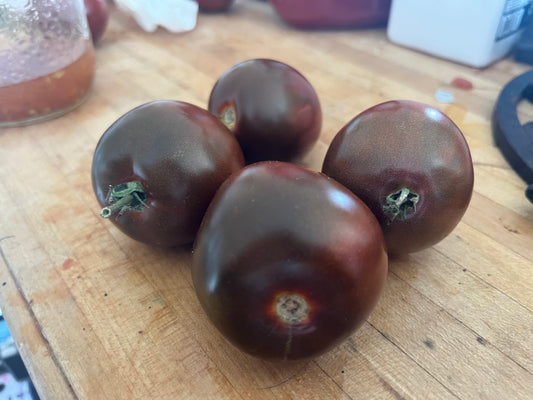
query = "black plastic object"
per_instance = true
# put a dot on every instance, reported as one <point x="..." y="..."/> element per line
<point x="523" y="50"/>
<point x="514" y="139"/>
<point x="529" y="193"/>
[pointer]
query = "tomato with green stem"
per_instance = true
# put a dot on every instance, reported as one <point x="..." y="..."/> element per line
<point x="411" y="165"/>
<point x="157" y="167"/>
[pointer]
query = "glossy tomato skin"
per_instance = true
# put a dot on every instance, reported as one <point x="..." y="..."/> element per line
<point x="405" y="144"/>
<point x="179" y="153"/>
<point x="214" y="5"/>
<point x="332" y="14"/>
<point x="279" y="232"/>
<point x="97" y="12"/>
<point x="271" y="108"/>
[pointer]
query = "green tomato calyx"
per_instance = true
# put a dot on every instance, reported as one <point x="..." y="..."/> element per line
<point x="124" y="197"/>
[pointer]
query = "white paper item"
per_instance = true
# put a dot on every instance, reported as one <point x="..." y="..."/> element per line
<point x="174" y="15"/>
<point x="472" y="32"/>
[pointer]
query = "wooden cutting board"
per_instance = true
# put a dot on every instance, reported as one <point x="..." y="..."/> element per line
<point x="98" y="316"/>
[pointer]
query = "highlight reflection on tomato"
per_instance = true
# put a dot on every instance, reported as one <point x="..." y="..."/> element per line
<point x="287" y="262"/>
<point x="156" y="169"/>
<point x="411" y="165"/>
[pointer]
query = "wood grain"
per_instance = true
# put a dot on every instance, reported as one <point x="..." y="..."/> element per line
<point x="98" y="316"/>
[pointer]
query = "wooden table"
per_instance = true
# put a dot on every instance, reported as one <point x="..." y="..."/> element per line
<point x="98" y="316"/>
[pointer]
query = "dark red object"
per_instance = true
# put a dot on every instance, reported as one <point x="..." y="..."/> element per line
<point x="271" y="108"/>
<point x="214" y="5"/>
<point x="156" y="169"/>
<point x="288" y="262"/>
<point x="97" y="16"/>
<point x="411" y="165"/>
<point x="317" y="14"/>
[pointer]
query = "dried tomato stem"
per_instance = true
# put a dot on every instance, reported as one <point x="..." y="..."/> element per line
<point x="291" y="308"/>
<point x="228" y="116"/>
<point x="124" y="197"/>
<point x="399" y="204"/>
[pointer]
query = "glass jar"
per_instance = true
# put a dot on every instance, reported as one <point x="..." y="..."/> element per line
<point x="47" y="59"/>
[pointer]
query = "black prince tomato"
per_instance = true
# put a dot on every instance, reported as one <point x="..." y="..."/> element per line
<point x="271" y="108"/>
<point x="156" y="169"/>
<point x="287" y="262"/>
<point x="411" y="165"/>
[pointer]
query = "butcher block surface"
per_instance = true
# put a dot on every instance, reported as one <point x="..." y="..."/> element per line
<point x="98" y="316"/>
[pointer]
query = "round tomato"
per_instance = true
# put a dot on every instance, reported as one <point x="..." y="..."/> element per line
<point x="97" y="13"/>
<point x="271" y="108"/>
<point x="411" y="165"/>
<point x="156" y="169"/>
<point x="287" y="262"/>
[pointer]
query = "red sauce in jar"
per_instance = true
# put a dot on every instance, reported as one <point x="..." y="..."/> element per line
<point x="48" y="95"/>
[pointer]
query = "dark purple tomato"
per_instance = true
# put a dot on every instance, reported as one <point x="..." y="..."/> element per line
<point x="214" y="5"/>
<point x="288" y="262"/>
<point x="271" y="108"/>
<point x="157" y="167"/>
<point x="411" y="165"/>
<point x="328" y="14"/>
<point x="97" y="13"/>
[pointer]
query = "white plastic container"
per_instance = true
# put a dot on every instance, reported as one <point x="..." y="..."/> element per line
<point x="472" y="32"/>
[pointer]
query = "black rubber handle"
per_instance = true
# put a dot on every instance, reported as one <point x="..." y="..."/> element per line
<point x="514" y="139"/>
<point x="523" y="50"/>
